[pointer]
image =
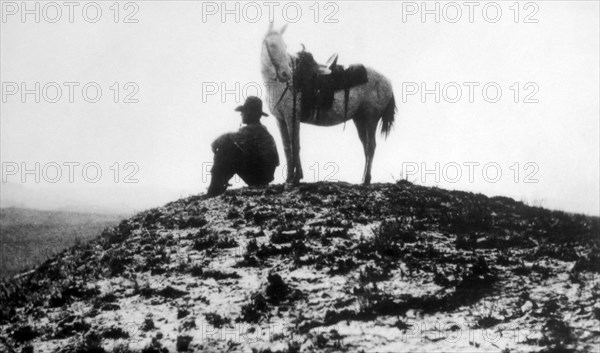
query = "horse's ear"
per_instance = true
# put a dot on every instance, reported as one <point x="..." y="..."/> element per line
<point x="271" y="24"/>
<point x="282" y="31"/>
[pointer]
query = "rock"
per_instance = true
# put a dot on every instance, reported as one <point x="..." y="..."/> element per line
<point x="307" y="346"/>
<point x="527" y="307"/>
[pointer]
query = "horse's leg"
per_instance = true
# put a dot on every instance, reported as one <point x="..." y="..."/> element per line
<point x="299" y="173"/>
<point x="294" y="133"/>
<point x="287" y="148"/>
<point x="371" y="134"/>
<point x="362" y="135"/>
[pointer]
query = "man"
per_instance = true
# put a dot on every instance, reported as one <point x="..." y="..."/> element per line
<point x="249" y="153"/>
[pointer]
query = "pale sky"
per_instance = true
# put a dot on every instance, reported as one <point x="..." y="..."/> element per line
<point x="178" y="48"/>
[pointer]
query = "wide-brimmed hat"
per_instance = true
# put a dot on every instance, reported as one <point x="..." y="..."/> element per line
<point x="252" y="105"/>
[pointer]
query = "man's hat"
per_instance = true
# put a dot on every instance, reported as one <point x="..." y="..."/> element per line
<point x="252" y="105"/>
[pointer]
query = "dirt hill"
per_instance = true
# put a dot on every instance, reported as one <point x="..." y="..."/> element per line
<point x="321" y="267"/>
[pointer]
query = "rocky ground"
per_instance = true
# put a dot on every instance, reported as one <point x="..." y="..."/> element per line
<point x="320" y="267"/>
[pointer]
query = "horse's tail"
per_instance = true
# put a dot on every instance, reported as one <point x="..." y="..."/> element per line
<point x="387" y="117"/>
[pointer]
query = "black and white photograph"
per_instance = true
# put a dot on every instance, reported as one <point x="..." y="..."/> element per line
<point x="299" y="176"/>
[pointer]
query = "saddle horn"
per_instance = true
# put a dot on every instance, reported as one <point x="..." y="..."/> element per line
<point x="303" y="47"/>
<point x="332" y="61"/>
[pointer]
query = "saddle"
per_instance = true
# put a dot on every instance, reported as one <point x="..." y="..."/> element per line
<point x="318" y="83"/>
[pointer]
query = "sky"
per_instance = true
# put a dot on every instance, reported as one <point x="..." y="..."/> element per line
<point x="518" y="110"/>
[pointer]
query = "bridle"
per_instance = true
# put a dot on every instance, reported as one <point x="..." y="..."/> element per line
<point x="274" y="62"/>
<point x="277" y="67"/>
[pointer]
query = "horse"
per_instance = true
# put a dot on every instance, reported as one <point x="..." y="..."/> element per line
<point x="366" y="105"/>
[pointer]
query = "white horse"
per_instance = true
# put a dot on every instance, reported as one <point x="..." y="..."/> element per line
<point x="367" y="104"/>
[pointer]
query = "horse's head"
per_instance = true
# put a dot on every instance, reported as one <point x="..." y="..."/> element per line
<point x="275" y="52"/>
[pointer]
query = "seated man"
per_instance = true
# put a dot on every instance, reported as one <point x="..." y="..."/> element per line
<point x="249" y="153"/>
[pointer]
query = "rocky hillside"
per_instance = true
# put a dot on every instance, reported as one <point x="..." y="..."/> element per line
<point x="320" y="267"/>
